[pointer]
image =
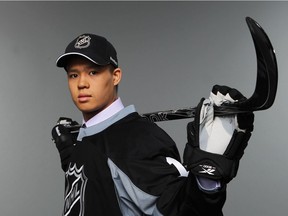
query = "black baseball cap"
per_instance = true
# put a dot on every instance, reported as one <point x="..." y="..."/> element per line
<point x="93" y="47"/>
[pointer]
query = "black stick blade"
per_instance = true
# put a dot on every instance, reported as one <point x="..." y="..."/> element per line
<point x="267" y="71"/>
<point x="265" y="89"/>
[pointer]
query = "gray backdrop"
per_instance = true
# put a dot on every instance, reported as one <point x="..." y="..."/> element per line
<point x="171" y="53"/>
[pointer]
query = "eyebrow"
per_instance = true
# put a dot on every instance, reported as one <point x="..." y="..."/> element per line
<point x="97" y="68"/>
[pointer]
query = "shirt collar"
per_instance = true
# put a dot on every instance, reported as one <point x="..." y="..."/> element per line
<point x="112" y="109"/>
<point x="89" y="131"/>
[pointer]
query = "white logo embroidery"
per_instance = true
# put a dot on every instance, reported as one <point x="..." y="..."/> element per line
<point x="82" y="42"/>
<point x="207" y="169"/>
<point x="75" y="190"/>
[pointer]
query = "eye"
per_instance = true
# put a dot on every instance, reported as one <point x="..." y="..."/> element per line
<point x="72" y="75"/>
<point x="93" y="73"/>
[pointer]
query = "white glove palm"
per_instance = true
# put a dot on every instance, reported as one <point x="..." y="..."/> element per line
<point x="216" y="132"/>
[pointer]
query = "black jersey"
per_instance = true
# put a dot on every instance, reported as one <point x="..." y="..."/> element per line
<point x="127" y="166"/>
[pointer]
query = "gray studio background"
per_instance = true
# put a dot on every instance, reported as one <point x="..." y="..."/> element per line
<point x="171" y="53"/>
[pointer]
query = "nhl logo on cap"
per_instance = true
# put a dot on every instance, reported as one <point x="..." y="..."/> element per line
<point x="83" y="41"/>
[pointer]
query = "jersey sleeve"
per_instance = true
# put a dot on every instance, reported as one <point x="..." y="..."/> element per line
<point x="149" y="178"/>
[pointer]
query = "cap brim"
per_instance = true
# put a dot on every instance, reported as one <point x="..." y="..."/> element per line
<point x="62" y="60"/>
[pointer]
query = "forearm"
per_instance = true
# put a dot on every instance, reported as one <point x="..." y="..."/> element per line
<point x="190" y="199"/>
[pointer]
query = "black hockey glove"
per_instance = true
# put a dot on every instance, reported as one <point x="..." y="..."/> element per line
<point x="216" y="144"/>
<point x="64" y="135"/>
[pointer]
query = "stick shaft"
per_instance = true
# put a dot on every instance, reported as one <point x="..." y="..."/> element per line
<point x="184" y="113"/>
<point x="170" y="115"/>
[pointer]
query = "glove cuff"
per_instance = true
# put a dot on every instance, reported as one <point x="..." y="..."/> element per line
<point x="212" y="166"/>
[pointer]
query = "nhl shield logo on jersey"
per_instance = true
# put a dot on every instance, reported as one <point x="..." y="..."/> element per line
<point x="83" y="41"/>
<point x="75" y="190"/>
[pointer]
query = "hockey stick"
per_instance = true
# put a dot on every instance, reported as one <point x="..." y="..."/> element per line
<point x="266" y="83"/>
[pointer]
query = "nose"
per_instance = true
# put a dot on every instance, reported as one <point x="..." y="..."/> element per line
<point x="83" y="82"/>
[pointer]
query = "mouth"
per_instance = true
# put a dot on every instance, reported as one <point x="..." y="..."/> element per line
<point x="83" y="97"/>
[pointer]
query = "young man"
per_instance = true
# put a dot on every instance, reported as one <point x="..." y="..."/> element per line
<point x="121" y="164"/>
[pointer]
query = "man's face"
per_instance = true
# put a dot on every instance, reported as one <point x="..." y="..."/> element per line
<point x="92" y="87"/>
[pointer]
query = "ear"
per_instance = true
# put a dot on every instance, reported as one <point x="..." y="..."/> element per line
<point x="117" y="75"/>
